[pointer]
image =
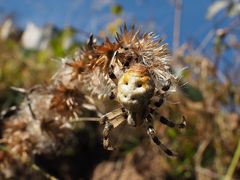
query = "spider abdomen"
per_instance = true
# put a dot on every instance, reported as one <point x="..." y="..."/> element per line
<point x="135" y="89"/>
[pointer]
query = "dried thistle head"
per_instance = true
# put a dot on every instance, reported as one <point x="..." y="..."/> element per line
<point x="77" y="68"/>
<point x="42" y="124"/>
<point x="132" y="47"/>
<point x="66" y="101"/>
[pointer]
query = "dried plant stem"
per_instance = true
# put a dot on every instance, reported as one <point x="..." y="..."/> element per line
<point x="206" y="41"/>
<point x="95" y="119"/>
<point x="177" y="24"/>
<point x="48" y="176"/>
<point x="234" y="163"/>
<point x="200" y="151"/>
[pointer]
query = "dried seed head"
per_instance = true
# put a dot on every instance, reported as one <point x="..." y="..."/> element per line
<point x="132" y="47"/>
<point x="135" y="88"/>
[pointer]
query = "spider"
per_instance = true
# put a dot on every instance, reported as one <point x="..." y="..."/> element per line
<point x="135" y="73"/>
<point x="137" y="94"/>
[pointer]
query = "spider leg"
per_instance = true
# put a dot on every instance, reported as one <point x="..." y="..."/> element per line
<point x="112" y="96"/>
<point x="171" y="124"/>
<point x="106" y="136"/>
<point x="106" y="133"/>
<point x="111" y="74"/>
<point x="166" y="85"/>
<point x="111" y="120"/>
<point x="156" y="140"/>
<point x="159" y="103"/>
<point x="162" y="94"/>
<point x="152" y="133"/>
<point x="159" y="98"/>
<point x="113" y="77"/>
<point x="163" y="119"/>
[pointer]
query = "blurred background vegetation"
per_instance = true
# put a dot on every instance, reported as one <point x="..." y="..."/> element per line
<point x="208" y="94"/>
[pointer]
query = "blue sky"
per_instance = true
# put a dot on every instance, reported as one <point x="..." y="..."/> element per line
<point x="93" y="15"/>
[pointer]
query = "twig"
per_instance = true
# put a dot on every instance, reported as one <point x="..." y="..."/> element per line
<point x="177" y="24"/>
<point x="233" y="164"/>
<point x="21" y="90"/>
<point x="37" y="168"/>
<point x="26" y="92"/>
<point x="82" y="119"/>
<point x="206" y="40"/>
<point x="200" y="151"/>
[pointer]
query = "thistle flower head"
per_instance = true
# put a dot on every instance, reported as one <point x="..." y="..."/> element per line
<point x="130" y="48"/>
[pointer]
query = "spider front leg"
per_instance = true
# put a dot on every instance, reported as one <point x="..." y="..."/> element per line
<point x="106" y="134"/>
<point x="162" y="94"/>
<point x="112" y="120"/>
<point x="112" y="96"/>
<point x="166" y="85"/>
<point x="159" y="102"/>
<point x="152" y="133"/>
<point x="111" y="75"/>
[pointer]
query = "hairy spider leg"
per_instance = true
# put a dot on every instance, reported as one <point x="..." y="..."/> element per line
<point x="106" y="136"/>
<point x="111" y="74"/>
<point x="112" y="120"/>
<point x="152" y="133"/>
<point x="171" y="124"/>
<point x="162" y="94"/>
